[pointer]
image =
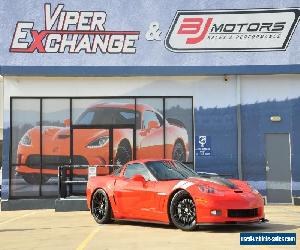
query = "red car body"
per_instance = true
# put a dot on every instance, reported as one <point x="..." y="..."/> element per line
<point x="56" y="141"/>
<point x="135" y="199"/>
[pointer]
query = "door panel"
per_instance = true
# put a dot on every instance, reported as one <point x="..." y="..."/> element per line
<point x="136" y="200"/>
<point x="278" y="169"/>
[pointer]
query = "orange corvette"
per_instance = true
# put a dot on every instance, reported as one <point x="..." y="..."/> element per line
<point x="91" y="145"/>
<point x="167" y="191"/>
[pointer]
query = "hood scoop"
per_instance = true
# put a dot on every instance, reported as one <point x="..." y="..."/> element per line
<point x="238" y="191"/>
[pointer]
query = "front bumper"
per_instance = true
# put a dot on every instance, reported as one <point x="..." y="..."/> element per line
<point x="243" y="208"/>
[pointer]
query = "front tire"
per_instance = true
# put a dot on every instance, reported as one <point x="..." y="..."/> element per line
<point x="183" y="211"/>
<point x="100" y="207"/>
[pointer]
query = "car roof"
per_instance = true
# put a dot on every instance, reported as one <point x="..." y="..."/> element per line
<point x="129" y="106"/>
<point x="147" y="160"/>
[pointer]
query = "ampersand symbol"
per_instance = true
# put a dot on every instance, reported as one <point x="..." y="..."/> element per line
<point x="153" y="33"/>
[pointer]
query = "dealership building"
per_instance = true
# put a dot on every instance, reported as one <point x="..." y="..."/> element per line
<point x="101" y="84"/>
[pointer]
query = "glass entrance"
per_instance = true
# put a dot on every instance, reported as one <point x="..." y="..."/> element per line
<point x="101" y="147"/>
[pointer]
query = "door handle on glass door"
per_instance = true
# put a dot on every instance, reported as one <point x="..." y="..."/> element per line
<point x="267" y="167"/>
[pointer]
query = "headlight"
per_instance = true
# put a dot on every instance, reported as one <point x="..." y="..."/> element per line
<point x="100" y="142"/>
<point x="25" y="140"/>
<point x="254" y="190"/>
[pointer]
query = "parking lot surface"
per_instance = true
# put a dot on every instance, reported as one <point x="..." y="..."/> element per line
<point x="46" y="229"/>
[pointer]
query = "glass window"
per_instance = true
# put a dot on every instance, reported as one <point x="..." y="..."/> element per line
<point x="151" y="116"/>
<point x="167" y="170"/>
<point x="56" y="142"/>
<point x="26" y="155"/>
<point x="107" y="115"/>
<point x="150" y="140"/>
<point x="179" y="129"/>
<point x="86" y="118"/>
<point x="104" y="112"/>
<point x="136" y="168"/>
<point x="1" y="142"/>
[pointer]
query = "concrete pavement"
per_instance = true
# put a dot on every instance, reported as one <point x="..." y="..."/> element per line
<point x="45" y="229"/>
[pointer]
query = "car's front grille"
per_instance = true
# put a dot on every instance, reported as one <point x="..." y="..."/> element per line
<point x="53" y="161"/>
<point x="242" y="213"/>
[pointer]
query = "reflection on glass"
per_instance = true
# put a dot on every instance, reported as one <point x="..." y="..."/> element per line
<point x="122" y="146"/>
<point x="149" y="129"/>
<point x="56" y="142"/>
<point x="179" y="128"/>
<point x="103" y="112"/>
<point x="25" y="172"/>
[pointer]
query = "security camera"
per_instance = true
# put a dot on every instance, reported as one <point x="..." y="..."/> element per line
<point x="225" y="78"/>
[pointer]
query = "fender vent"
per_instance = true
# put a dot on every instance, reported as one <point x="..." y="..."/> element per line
<point x="238" y="191"/>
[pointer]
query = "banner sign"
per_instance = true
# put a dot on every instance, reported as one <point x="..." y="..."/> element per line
<point x="72" y="31"/>
<point x="236" y="30"/>
<point x="149" y="36"/>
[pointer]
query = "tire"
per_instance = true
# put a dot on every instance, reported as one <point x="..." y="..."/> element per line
<point x="179" y="152"/>
<point x="100" y="207"/>
<point x="183" y="211"/>
<point x="123" y="154"/>
<point x="35" y="179"/>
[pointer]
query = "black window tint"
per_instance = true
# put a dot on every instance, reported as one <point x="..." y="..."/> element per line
<point x="136" y="168"/>
<point x="86" y="118"/>
<point x="151" y="116"/>
<point x="169" y="170"/>
<point x="108" y="116"/>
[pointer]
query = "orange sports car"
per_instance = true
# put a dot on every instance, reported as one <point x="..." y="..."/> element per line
<point x="168" y="192"/>
<point x="91" y="145"/>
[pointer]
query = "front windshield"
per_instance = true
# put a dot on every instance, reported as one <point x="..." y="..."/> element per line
<point x="170" y="170"/>
<point x="108" y="116"/>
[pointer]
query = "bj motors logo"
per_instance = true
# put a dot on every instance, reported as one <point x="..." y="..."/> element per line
<point x="72" y="32"/>
<point x="234" y="30"/>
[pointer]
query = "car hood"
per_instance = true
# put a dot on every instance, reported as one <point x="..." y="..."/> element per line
<point x="220" y="183"/>
<point x="59" y="134"/>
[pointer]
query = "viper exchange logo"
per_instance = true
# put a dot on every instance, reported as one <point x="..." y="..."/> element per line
<point x="236" y="30"/>
<point x="72" y="32"/>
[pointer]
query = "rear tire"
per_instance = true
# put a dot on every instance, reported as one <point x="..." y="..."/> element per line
<point x="35" y="179"/>
<point x="183" y="211"/>
<point x="179" y="153"/>
<point x="100" y="207"/>
<point x="124" y="153"/>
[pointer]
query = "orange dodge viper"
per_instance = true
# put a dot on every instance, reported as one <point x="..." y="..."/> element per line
<point x="167" y="191"/>
<point x="91" y="145"/>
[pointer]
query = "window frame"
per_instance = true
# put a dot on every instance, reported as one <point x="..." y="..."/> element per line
<point x="135" y="98"/>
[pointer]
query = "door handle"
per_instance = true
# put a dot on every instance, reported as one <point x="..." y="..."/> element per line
<point x="267" y="167"/>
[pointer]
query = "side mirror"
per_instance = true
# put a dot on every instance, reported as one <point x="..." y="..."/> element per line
<point x="138" y="177"/>
<point x="153" y="124"/>
<point x="67" y="122"/>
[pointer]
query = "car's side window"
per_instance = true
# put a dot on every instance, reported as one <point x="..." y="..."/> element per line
<point x="151" y="116"/>
<point x="137" y="168"/>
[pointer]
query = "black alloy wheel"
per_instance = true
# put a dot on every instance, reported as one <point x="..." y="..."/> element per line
<point x="183" y="211"/>
<point x="100" y="207"/>
<point x="179" y="152"/>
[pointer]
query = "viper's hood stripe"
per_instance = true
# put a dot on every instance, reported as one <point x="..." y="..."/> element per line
<point x="219" y="180"/>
